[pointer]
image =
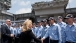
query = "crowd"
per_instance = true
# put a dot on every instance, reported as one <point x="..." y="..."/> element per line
<point x="45" y="31"/>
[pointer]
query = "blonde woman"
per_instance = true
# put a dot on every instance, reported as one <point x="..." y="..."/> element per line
<point x="27" y="35"/>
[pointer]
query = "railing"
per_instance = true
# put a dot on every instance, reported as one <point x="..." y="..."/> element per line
<point x="25" y="15"/>
<point x="18" y="21"/>
<point x="71" y="10"/>
<point x="8" y="13"/>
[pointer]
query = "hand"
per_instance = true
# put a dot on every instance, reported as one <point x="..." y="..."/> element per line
<point x="12" y="35"/>
<point x="42" y="40"/>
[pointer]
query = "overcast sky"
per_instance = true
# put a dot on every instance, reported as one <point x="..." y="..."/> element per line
<point x="24" y="6"/>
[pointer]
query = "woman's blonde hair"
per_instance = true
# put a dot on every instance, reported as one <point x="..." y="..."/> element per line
<point x="26" y="24"/>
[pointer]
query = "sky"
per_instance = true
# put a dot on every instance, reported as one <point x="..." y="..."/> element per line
<point x="24" y="6"/>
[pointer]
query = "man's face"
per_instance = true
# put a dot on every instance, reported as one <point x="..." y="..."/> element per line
<point x="44" y="23"/>
<point x="59" y="20"/>
<point x="8" y="22"/>
<point x="34" y="25"/>
<point x="51" y="21"/>
<point x="74" y="21"/>
<point x="39" y="24"/>
<point x="68" y="20"/>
